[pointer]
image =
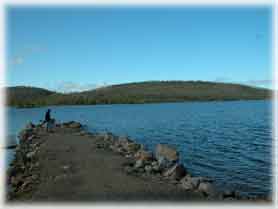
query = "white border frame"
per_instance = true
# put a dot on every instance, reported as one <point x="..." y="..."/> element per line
<point x="143" y="3"/>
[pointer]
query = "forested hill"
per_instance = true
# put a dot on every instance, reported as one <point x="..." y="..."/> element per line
<point x="24" y="96"/>
<point x="143" y="92"/>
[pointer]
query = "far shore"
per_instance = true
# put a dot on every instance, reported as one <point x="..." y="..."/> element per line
<point x="167" y="102"/>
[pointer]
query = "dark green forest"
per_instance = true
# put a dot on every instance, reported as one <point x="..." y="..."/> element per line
<point x="133" y="93"/>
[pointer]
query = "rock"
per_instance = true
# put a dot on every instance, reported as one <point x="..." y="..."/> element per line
<point x="207" y="188"/>
<point x="113" y="148"/>
<point x="228" y="193"/>
<point x="148" y="168"/>
<point x="129" y="169"/>
<point x="107" y="137"/>
<point x="66" y="167"/>
<point x="231" y="194"/>
<point x="156" y="168"/>
<point x="129" y="162"/>
<point x="17" y="180"/>
<point x="124" y="140"/>
<point x="25" y="133"/>
<point x="30" y="126"/>
<point x="189" y="183"/>
<point x="72" y="124"/>
<point x="132" y="147"/>
<point x="128" y="156"/>
<point x="166" y="152"/>
<point x="31" y="137"/>
<point x="83" y="133"/>
<point x="176" y="172"/>
<point x="35" y="177"/>
<point x="30" y="154"/>
<point x="154" y="163"/>
<point x="143" y="155"/>
<point x="164" y="164"/>
<point x="26" y="184"/>
<point x="139" y="164"/>
<point x="205" y="179"/>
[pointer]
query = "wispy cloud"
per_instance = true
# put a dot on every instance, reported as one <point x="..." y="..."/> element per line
<point x="259" y="82"/>
<point x="69" y="86"/>
<point x="222" y="79"/>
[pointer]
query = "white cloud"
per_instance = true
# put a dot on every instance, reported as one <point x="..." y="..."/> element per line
<point x="259" y="82"/>
<point x="69" y="86"/>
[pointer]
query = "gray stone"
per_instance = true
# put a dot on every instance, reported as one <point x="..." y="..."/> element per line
<point x="176" y="172"/>
<point x="132" y="147"/>
<point x="24" y="134"/>
<point x="156" y="168"/>
<point x="30" y="154"/>
<point x="129" y="169"/>
<point x="73" y="124"/>
<point x="189" y="183"/>
<point x="154" y="163"/>
<point x="30" y="125"/>
<point x="139" y="164"/>
<point x="143" y="155"/>
<point x="207" y="188"/>
<point x="163" y="163"/>
<point x="148" y="168"/>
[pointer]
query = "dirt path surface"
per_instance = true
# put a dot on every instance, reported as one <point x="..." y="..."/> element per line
<point x="73" y="167"/>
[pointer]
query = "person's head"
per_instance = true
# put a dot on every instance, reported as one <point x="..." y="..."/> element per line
<point x="48" y="110"/>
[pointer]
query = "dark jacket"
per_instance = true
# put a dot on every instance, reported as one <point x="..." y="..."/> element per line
<point x="47" y="116"/>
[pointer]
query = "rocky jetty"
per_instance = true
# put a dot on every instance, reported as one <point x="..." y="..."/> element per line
<point x="34" y="154"/>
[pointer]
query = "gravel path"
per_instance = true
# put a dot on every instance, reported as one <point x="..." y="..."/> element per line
<point x="74" y="168"/>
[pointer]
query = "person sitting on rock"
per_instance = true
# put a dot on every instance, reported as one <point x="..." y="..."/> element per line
<point x="47" y="120"/>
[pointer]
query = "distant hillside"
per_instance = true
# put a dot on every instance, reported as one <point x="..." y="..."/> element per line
<point x="26" y="96"/>
<point x="143" y="92"/>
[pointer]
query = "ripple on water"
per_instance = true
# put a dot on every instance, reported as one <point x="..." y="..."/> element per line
<point x="227" y="141"/>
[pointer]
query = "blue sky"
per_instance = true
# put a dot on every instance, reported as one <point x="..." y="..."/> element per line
<point x="77" y="48"/>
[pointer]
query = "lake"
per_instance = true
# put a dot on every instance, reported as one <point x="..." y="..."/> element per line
<point x="230" y="142"/>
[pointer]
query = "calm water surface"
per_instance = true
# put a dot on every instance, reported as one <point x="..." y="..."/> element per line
<point x="227" y="141"/>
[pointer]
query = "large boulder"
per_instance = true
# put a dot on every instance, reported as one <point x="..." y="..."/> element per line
<point x="165" y="152"/>
<point x="30" y="125"/>
<point x="143" y="155"/>
<point x="139" y="164"/>
<point x="176" y="172"/>
<point x="132" y="147"/>
<point x="72" y="124"/>
<point x="190" y="183"/>
<point x="207" y="188"/>
<point x="30" y="155"/>
<point x="25" y="133"/>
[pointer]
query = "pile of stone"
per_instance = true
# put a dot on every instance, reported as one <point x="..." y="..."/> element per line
<point x="22" y="174"/>
<point x="71" y="124"/>
<point x="164" y="163"/>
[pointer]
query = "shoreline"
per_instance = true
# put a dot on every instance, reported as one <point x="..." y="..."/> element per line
<point x="43" y="160"/>
<point x="166" y="102"/>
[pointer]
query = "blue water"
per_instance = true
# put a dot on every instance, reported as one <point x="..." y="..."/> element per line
<point x="228" y="141"/>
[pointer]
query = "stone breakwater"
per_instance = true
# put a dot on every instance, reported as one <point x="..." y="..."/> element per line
<point x="24" y="173"/>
